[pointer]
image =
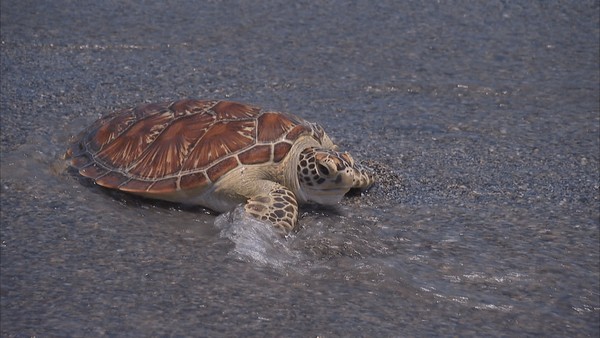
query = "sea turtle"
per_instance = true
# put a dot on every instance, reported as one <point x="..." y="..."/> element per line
<point x="218" y="154"/>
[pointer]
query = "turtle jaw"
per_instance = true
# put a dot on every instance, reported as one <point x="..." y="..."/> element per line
<point x="325" y="196"/>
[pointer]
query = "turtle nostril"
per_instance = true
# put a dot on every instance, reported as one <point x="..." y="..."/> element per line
<point x="323" y="169"/>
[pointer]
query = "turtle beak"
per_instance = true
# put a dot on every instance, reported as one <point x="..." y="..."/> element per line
<point x="327" y="196"/>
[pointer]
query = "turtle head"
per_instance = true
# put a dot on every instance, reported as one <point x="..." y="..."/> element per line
<point x="325" y="175"/>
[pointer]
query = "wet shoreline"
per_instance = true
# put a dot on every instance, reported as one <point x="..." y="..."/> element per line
<point x="481" y="121"/>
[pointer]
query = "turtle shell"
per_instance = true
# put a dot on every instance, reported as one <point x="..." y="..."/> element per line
<point x="164" y="147"/>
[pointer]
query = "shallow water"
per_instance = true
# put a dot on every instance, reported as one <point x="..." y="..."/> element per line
<point x="482" y="122"/>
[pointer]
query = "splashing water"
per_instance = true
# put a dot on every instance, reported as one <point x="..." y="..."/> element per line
<point x="256" y="241"/>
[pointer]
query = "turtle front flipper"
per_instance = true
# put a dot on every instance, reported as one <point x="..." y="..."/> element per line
<point x="274" y="203"/>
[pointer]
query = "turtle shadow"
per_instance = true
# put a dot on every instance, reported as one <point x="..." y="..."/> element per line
<point x="313" y="208"/>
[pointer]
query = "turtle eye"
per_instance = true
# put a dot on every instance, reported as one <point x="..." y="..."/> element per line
<point x="323" y="169"/>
